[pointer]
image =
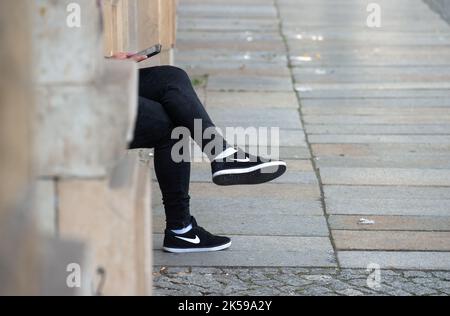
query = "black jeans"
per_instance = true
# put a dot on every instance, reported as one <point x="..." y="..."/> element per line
<point x="167" y="100"/>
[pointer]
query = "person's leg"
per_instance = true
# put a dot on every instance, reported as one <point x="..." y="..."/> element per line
<point x="172" y="87"/>
<point x="153" y="130"/>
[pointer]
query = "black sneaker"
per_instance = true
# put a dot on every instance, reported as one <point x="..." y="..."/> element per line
<point x="196" y="240"/>
<point x="242" y="168"/>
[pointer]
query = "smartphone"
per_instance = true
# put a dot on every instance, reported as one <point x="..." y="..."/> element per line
<point x="150" y="52"/>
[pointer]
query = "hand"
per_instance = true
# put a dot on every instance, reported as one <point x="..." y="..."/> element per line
<point x="126" y="56"/>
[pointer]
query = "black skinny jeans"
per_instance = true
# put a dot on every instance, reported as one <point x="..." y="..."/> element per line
<point x="167" y="100"/>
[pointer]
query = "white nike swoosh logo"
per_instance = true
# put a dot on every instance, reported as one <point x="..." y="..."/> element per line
<point x="195" y="240"/>
<point x="241" y="160"/>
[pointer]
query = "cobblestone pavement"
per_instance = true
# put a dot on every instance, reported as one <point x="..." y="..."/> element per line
<point x="296" y="282"/>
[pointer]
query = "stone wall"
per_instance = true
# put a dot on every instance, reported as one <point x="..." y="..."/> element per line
<point x="71" y="192"/>
<point x="15" y="89"/>
<point x="85" y="116"/>
<point x="17" y="257"/>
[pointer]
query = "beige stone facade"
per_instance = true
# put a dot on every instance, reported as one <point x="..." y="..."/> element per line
<point x="74" y="193"/>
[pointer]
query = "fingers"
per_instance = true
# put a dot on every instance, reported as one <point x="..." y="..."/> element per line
<point x="136" y="58"/>
<point x="139" y="58"/>
<point x="124" y="56"/>
<point x="119" y="55"/>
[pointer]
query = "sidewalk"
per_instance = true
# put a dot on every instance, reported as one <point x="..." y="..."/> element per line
<point x="371" y="140"/>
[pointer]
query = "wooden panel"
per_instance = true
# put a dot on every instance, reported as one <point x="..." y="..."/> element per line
<point x="15" y="101"/>
<point x="132" y="25"/>
<point x="167" y="23"/>
<point x="116" y="25"/>
<point x="148" y="23"/>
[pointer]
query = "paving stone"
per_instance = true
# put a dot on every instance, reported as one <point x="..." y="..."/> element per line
<point x="233" y="57"/>
<point x="254" y="100"/>
<point x="298" y="39"/>
<point x="263" y="206"/>
<point x="426" y="260"/>
<point x="374" y="150"/>
<point x="300" y="196"/>
<point x="293" y="24"/>
<point x="221" y="2"/>
<point x="331" y="36"/>
<point x="355" y="40"/>
<point x="391" y="240"/>
<point x="387" y="192"/>
<point x="376" y="80"/>
<point x="274" y="191"/>
<point x="347" y="12"/>
<point x="245" y="11"/>
<point x="230" y="83"/>
<point x="251" y="251"/>
<point x="236" y="70"/>
<point x="294" y="177"/>
<point x="397" y="24"/>
<point x="228" y="24"/>
<point x="349" y="129"/>
<point x="388" y="207"/>
<point x="223" y="222"/>
<point x="371" y="94"/>
<point x="343" y="59"/>
<point x="372" y="105"/>
<point x="369" y="139"/>
<point x="282" y="118"/>
<point x="285" y="153"/>
<point x="398" y="161"/>
<point x="299" y="165"/>
<point x="397" y="223"/>
<point x="240" y="68"/>
<point x="223" y="37"/>
<point x="236" y="42"/>
<point x="381" y="74"/>
<point x="316" y="8"/>
<point x="378" y="119"/>
<point x="391" y="176"/>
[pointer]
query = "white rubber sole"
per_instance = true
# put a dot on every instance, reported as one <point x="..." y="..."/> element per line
<point x="251" y="169"/>
<point x="190" y="250"/>
<point x="262" y="173"/>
